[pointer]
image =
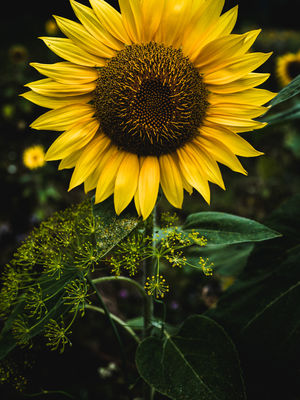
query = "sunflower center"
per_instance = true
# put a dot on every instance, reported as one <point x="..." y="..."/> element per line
<point x="293" y="69"/>
<point x="150" y="99"/>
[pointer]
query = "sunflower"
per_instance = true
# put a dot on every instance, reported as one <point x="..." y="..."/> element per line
<point x="34" y="157"/>
<point x="152" y="96"/>
<point x="287" y="67"/>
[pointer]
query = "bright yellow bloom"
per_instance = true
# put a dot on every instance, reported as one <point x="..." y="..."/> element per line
<point x="288" y="67"/>
<point x="152" y="96"/>
<point x="34" y="157"/>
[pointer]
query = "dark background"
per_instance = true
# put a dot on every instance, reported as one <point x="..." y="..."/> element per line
<point x="30" y="196"/>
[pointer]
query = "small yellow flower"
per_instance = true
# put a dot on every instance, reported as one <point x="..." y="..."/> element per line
<point x="51" y="27"/>
<point x="34" y="157"/>
<point x="287" y="67"/>
<point x="156" y="286"/>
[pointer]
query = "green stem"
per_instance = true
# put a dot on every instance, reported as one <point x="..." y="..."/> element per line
<point x="122" y="279"/>
<point x="113" y="325"/>
<point x="148" y="272"/>
<point x="116" y="319"/>
<point x="148" y="307"/>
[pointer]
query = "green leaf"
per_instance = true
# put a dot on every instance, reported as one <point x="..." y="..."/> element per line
<point x="200" y="362"/>
<point x="281" y="117"/>
<point x="115" y="228"/>
<point x="223" y="229"/>
<point x="289" y="91"/>
<point x="228" y="260"/>
<point x="261" y="309"/>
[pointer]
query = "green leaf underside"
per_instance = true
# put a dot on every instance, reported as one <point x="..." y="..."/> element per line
<point x="281" y="117"/>
<point x="224" y="229"/>
<point x="200" y="362"/>
<point x="228" y="260"/>
<point x="289" y="91"/>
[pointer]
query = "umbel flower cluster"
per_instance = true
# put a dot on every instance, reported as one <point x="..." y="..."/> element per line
<point x="47" y="284"/>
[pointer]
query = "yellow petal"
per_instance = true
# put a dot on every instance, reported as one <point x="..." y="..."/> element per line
<point x="217" y="52"/>
<point x="63" y="118"/>
<point x="132" y="19"/>
<point x="234" y="142"/>
<point x="66" y="49"/>
<point x="92" y="24"/>
<point x="170" y="180"/>
<point x="148" y="185"/>
<point x="106" y="182"/>
<point x="71" y="160"/>
<point x="175" y="17"/>
<point x="92" y="180"/>
<point x="111" y="20"/>
<point x="67" y="72"/>
<point x="235" y="68"/>
<point x="49" y="87"/>
<point x="238" y="85"/>
<point x="80" y="36"/>
<point x="151" y="19"/>
<point x="193" y="172"/>
<point x="209" y="164"/>
<point x="137" y="202"/>
<point x="247" y="111"/>
<point x="126" y="181"/>
<point x="89" y="160"/>
<point x="253" y="96"/>
<point x="202" y="22"/>
<point x="221" y="153"/>
<point x="72" y="140"/>
<point x="55" y="102"/>
<point x="234" y="123"/>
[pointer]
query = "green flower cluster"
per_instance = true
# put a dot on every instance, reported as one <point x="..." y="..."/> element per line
<point x="166" y="247"/>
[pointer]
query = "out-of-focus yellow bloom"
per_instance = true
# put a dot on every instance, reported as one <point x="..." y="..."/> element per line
<point x="287" y="67"/>
<point x="34" y="157"/>
<point x="51" y="27"/>
<point x="18" y="54"/>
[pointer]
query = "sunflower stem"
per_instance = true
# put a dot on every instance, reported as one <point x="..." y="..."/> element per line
<point x="149" y="391"/>
<point x="148" y="272"/>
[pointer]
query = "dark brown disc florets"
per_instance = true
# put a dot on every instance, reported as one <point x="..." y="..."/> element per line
<point x="150" y="99"/>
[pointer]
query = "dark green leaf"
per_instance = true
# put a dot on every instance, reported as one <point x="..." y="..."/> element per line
<point x="222" y="228"/>
<point x="200" y="362"/>
<point x="261" y="309"/>
<point x="281" y="117"/>
<point x="289" y="91"/>
<point x="229" y="260"/>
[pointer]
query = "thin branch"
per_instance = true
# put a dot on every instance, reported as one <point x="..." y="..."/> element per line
<point x="116" y="319"/>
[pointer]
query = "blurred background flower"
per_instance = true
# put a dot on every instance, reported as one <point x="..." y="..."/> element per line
<point x="34" y="157"/>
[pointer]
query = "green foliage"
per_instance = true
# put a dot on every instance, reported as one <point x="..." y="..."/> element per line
<point x="288" y="92"/>
<point x="261" y="309"/>
<point x="45" y="286"/>
<point x="283" y="116"/>
<point x="230" y="240"/>
<point x="199" y="362"/>
<point x="222" y="228"/>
